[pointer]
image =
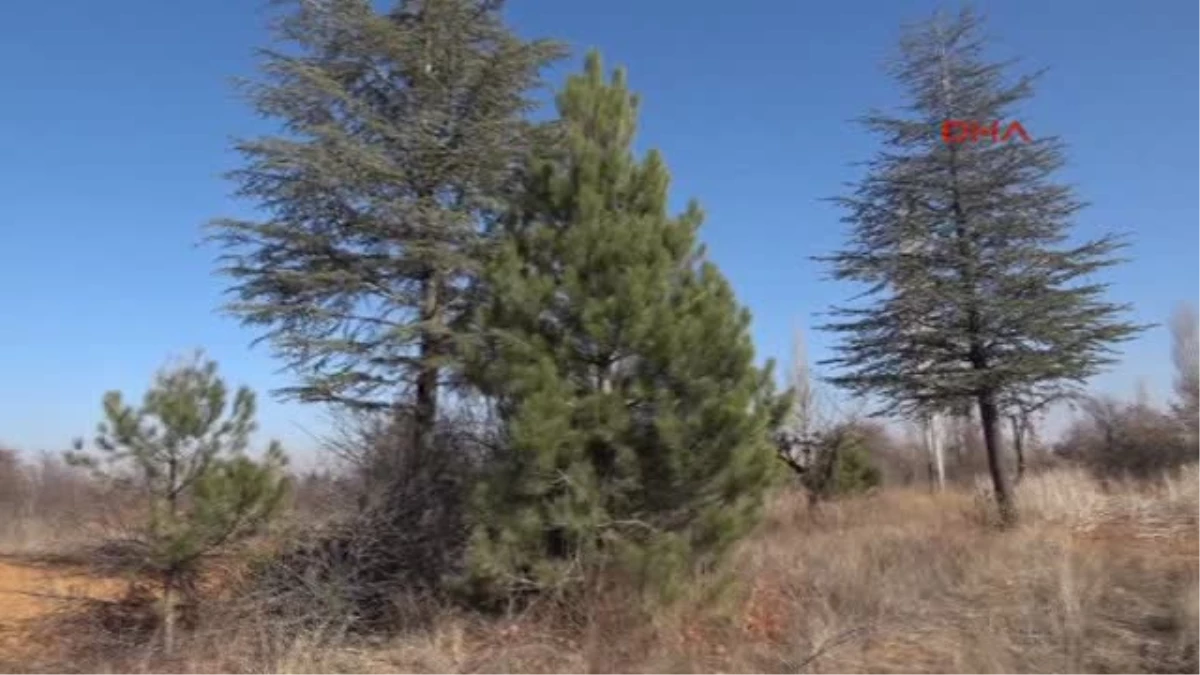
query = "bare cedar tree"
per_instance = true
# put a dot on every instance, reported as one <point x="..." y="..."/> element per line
<point x="1002" y="301"/>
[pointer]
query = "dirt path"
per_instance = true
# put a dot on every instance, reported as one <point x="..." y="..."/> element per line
<point x="31" y="591"/>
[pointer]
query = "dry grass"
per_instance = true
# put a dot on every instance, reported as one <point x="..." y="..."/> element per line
<point x="1094" y="579"/>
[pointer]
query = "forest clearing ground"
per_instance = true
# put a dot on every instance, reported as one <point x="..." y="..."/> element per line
<point x="899" y="581"/>
<point x="34" y="588"/>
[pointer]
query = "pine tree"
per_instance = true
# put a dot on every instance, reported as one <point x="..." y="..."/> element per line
<point x="973" y="291"/>
<point x="403" y="135"/>
<point x="183" y="459"/>
<point x="622" y="368"/>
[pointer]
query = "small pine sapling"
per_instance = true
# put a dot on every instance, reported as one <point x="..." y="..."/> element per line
<point x="184" y="459"/>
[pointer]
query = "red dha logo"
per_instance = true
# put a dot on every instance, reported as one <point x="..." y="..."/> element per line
<point x="962" y="131"/>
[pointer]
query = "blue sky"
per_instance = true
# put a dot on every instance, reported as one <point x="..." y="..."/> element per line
<point x="117" y="117"/>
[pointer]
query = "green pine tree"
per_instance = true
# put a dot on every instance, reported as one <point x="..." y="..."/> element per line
<point x="183" y="458"/>
<point x="621" y="366"/>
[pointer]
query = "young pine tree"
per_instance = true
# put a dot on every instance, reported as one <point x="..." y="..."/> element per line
<point x="621" y="366"/>
<point x="402" y="135"/>
<point x="973" y="292"/>
<point x="182" y="459"/>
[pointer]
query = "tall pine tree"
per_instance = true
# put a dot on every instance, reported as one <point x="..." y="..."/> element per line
<point x="403" y="133"/>
<point x="622" y="368"/>
<point x="974" y="292"/>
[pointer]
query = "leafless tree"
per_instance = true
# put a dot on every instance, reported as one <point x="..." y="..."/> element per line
<point x="1185" y="352"/>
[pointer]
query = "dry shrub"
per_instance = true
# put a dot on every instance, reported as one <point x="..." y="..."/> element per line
<point x="900" y="581"/>
<point x="13" y="486"/>
<point x="381" y="565"/>
<point x="318" y="497"/>
<point x="1116" y="439"/>
<point x="900" y="463"/>
<point x="909" y="582"/>
<point x="45" y="505"/>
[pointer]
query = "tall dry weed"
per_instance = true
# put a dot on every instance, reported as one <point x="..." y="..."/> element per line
<point x="1096" y="578"/>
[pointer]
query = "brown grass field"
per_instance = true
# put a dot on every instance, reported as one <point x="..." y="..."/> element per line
<point x="1094" y="579"/>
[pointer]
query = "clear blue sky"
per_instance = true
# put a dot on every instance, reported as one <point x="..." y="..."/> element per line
<point x="116" y="118"/>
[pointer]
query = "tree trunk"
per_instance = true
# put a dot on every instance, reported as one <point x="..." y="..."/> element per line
<point x="426" y="403"/>
<point x="168" y="616"/>
<point x="934" y="450"/>
<point x="1018" y="432"/>
<point x="937" y="439"/>
<point x="990" y="418"/>
<point x="930" y="471"/>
